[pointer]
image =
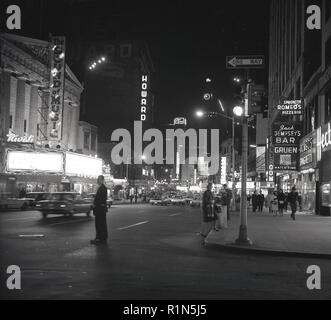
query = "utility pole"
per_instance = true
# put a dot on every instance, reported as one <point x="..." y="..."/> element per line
<point x="243" y="234"/>
<point x="233" y="166"/>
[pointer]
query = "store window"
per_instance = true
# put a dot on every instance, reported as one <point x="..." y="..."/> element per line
<point x="86" y="140"/>
<point x="328" y="52"/>
<point x="93" y="141"/>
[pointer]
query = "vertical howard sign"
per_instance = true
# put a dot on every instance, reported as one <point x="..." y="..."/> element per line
<point x="286" y="145"/>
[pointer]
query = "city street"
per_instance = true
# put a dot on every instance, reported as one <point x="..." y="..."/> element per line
<point x="153" y="253"/>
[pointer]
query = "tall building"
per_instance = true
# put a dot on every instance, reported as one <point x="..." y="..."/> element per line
<point x="41" y="138"/>
<point x="299" y="98"/>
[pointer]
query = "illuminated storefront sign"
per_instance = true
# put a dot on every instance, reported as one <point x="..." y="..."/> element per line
<point x="290" y="107"/>
<point x="14" y="138"/>
<point x="82" y="166"/>
<point x="56" y="96"/>
<point x="144" y="96"/>
<point x="326" y="137"/>
<point x="260" y="159"/>
<point x="286" y="145"/>
<point x="34" y="162"/>
<point x="223" y="170"/>
<point x="308" y="151"/>
<point x="180" y="121"/>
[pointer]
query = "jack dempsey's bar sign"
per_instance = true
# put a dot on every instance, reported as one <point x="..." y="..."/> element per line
<point x="286" y="145"/>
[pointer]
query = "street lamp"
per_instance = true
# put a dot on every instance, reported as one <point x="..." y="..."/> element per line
<point x="238" y="111"/>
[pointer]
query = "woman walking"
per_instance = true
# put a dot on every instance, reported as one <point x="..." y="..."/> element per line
<point x="281" y="202"/>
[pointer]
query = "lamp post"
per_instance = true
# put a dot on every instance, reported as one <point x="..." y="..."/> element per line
<point x="243" y="234"/>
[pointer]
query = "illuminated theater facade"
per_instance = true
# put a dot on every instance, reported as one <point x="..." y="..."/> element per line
<point x="43" y="145"/>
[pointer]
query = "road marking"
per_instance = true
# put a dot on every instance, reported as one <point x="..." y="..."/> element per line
<point x="18" y="219"/>
<point x="175" y="214"/>
<point x="133" y="225"/>
<point x="67" y="222"/>
<point x="31" y="236"/>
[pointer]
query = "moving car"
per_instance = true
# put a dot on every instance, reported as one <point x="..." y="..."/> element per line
<point x="35" y="197"/>
<point x="92" y="196"/>
<point x="178" y="201"/>
<point x="64" y="203"/>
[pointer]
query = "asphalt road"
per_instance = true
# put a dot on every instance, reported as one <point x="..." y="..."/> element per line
<point x="153" y="253"/>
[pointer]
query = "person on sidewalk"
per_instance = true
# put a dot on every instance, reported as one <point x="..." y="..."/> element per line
<point x="281" y="202"/>
<point x="228" y="197"/>
<point x="274" y="204"/>
<point x="100" y="212"/>
<point x="254" y="201"/>
<point x="260" y="201"/>
<point x="293" y="200"/>
<point x="208" y="214"/>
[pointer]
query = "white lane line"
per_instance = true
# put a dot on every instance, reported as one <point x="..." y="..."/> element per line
<point x="18" y="219"/>
<point x="175" y="214"/>
<point x="133" y="225"/>
<point x="66" y="222"/>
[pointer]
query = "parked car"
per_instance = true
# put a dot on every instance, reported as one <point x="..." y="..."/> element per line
<point x="64" y="203"/>
<point x="92" y="196"/>
<point x="15" y="203"/>
<point x="178" y="201"/>
<point x="160" y="201"/>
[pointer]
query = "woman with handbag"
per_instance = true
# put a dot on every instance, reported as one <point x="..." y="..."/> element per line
<point x="208" y="214"/>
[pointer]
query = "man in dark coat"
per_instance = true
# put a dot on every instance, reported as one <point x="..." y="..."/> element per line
<point x="208" y="215"/>
<point x="260" y="201"/>
<point x="293" y="199"/>
<point x="100" y="212"/>
<point x="254" y="201"/>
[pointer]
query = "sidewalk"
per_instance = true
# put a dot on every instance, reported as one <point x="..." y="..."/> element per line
<point x="308" y="236"/>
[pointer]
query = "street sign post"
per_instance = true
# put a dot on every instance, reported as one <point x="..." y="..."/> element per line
<point x="245" y="62"/>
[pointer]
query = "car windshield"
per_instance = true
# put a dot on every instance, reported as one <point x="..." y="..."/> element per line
<point x="60" y="197"/>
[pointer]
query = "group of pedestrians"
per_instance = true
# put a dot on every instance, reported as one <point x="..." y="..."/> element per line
<point x="257" y="201"/>
<point x="215" y="210"/>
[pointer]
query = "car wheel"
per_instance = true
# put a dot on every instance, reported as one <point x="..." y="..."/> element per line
<point x="44" y="214"/>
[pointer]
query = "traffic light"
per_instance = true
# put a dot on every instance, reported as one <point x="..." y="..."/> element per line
<point x="257" y="97"/>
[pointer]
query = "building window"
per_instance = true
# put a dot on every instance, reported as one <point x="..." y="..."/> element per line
<point x="10" y="122"/>
<point x="327" y="10"/>
<point x="93" y="141"/>
<point x="24" y="126"/>
<point x="328" y="52"/>
<point x="86" y="140"/>
<point x="126" y="50"/>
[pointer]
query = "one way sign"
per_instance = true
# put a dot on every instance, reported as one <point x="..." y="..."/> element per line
<point x="245" y="62"/>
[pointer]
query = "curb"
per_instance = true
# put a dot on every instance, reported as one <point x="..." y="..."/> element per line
<point x="261" y="251"/>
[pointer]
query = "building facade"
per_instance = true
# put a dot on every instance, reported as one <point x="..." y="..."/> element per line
<point x="300" y="81"/>
<point x="39" y="119"/>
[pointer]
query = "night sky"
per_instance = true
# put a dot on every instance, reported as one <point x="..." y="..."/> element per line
<point x="188" y="40"/>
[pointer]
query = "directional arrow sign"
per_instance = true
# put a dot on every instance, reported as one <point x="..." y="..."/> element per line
<point x="245" y="62"/>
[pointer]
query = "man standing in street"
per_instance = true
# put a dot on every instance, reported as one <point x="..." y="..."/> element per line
<point x="260" y="201"/>
<point x="293" y="199"/>
<point x="228" y="199"/>
<point x="254" y="201"/>
<point x="100" y="213"/>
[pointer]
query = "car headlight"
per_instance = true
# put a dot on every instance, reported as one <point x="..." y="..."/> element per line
<point x="38" y="205"/>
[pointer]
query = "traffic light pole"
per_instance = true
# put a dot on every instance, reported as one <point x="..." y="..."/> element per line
<point x="243" y="233"/>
